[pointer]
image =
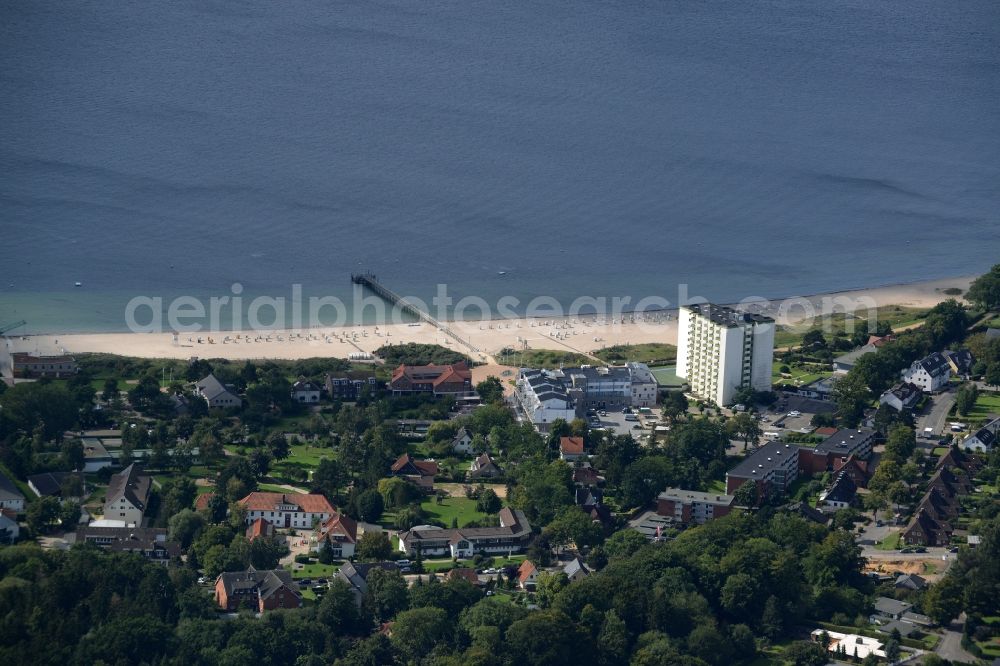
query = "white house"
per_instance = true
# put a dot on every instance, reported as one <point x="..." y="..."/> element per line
<point x="216" y="394"/>
<point x="511" y="536"/>
<point x="983" y="439"/>
<point x="930" y="373"/>
<point x="341" y="531"/>
<point x="128" y="496"/>
<point x="841" y="494"/>
<point x="306" y="392"/>
<point x="851" y="645"/>
<point x="10" y="497"/>
<point x="542" y="398"/>
<point x="9" y="529"/>
<point x="462" y="443"/>
<point x="901" y="396"/>
<point x="288" y="510"/>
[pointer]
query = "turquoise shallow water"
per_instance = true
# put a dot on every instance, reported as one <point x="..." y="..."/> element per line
<point x="582" y="148"/>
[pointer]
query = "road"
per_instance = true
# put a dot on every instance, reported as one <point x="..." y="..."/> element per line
<point x="936" y="417"/>
<point x="950" y="645"/>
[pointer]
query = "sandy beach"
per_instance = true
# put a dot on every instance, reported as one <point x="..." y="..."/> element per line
<point x="484" y="339"/>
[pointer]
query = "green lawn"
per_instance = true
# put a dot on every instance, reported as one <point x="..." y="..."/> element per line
<point x="545" y="358"/>
<point x="986" y="404"/>
<point x="940" y="450"/>
<point x="315" y="571"/>
<point x="797" y="375"/>
<point x="272" y="488"/>
<point x="452" y="507"/>
<point x="308" y="455"/>
<point x="717" y="486"/>
<point x="667" y="376"/>
<point x="652" y="353"/>
<point x="891" y="542"/>
<point x="899" y="317"/>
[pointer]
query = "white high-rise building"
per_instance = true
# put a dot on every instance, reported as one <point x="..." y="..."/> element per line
<point x="720" y="350"/>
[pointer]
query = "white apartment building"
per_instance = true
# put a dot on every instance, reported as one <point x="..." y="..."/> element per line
<point x="930" y="373"/>
<point x="720" y="351"/>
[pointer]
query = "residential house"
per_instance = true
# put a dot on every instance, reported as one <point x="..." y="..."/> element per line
<point x="803" y="510"/>
<point x="924" y="530"/>
<point x="841" y="494"/>
<point x="9" y="529"/>
<point x="421" y="473"/>
<point x="903" y="395"/>
<point x="260" y="529"/>
<point x="527" y="575"/>
<point x="462" y="441"/>
<point x="484" y="467"/>
<point x="930" y="373"/>
<point x="585" y="475"/>
<point x="571" y="448"/>
<point x="843" y="364"/>
<point x="10" y="497"/>
<point x="355" y="576"/>
<point x="984" y="439"/>
<point x="342" y="533"/>
<point x="287" y="510"/>
<point x="51" y="484"/>
<point x="960" y="362"/>
<point x="819" y="389"/>
<point x="306" y="392"/>
<point x="856" y="469"/>
<point x="463" y="573"/>
<point x="260" y="590"/>
<point x="452" y="380"/>
<point x="910" y="582"/>
<point x="887" y="608"/>
<point x="688" y="507"/>
<point x="150" y="542"/>
<point x="511" y="536"/>
<point x="348" y="389"/>
<point x="880" y="340"/>
<point x="576" y="570"/>
<point x="851" y="645"/>
<point x="128" y="496"/>
<point x="28" y="365"/>
<point x="587" y="498"/>
<point x="215" y="393"/>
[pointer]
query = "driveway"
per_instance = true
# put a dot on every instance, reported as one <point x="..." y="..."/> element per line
<point x="950" y="645"/>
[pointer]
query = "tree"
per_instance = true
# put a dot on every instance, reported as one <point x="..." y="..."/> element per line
<point x="326" y="551"/>
<point x="490" y="390"/>
<point x="71" y="456"/>
<point x="548" y="586"/>
<point x="373" y="546"/>
<point x="278" y="444"/>
<point x="387" y="594"/>
<point x="547" y="638"/>
<point x="370" y="505"/>
<point x="892" y="652"/>
<point x="184" y="526"/>
<point x="110" y="391"/>
<point x="488" y="502"/>
<point x="965" y="398"/>
<point x="813" y="339"/>
<point x="984" y="291"/>
<point x="327" y="478"/>
<point x="573" y="526"/>
<point x="32" y="404"/>
<point x="415" y="633"/>
<point x="69" y="515"/>
<point x="805" y="653"/>
<point x="744" y="426"/>
<point x="746" y="494"/>
<point x="42" y="513"/>
<point x="851" y="394"/>
<point x="260" y="461"/>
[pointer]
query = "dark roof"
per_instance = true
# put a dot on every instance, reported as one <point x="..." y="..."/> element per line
<point x="806" y="511"/>
<point x="763" y="460"/>
<point x="934" y="364"/>
<point x="266" y="582"/>
<point x="49" y="484"/>
<point x="8" y="491"/>
<point x="210" y="387"/>
<point x="355" y="574"/>
<point x="305" y="385"/>
<point x="129" y="539"/>
<point x="131" y="484"/>
<point x="962" y="359"/>
<point x="842" y="490"/>
<point x="726" y="316"/>
<point x="845" y="440"/>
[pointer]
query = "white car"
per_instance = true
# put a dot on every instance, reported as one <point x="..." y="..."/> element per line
<point x="795" y="413"/>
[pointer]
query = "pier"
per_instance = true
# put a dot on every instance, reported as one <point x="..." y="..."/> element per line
<point x="370" y="281"/>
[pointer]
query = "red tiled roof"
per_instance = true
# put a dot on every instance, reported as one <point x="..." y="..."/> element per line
<point x="340" y="524"/>
<point x="525" y="570"/>
<point x="463" y="572"/>
<point x="311" y="503"/>
<point x="259" y="528"/>
<point x="826" y="431"/>
<point x="571" y="444"/>
<point x="201" y="501"/>
<point x="436" y="374"/>
<point x="425" y="467"/>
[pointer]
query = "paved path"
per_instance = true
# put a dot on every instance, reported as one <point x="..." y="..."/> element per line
<point x="950" y="645"/>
